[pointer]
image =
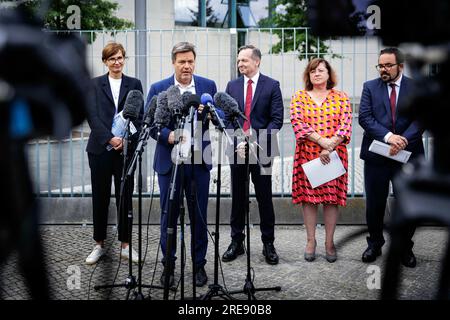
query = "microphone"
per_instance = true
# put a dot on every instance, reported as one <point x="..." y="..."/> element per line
<point x="162" y="112"/>
<point x="174" y="101"/>
<point x="131" y="109"/>
<point x="227" y="103"/>
<point x="149" y="117"/>
<point x="207" y="101"/>
<point x="185" y="97"/>
<point x="133" y="104"/>
<point x="192" y="102"/>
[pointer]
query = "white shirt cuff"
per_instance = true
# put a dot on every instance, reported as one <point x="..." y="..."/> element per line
<point x="387" y="136"/>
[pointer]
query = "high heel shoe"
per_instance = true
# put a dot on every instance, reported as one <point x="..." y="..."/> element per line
<point x="331" y="257"/>
<point x="310" y="257"/>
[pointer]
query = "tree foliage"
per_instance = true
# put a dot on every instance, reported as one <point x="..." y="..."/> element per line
<point x="211" y="17"/>
<point x="293" y="14"/>
<point x="94" y="15"/>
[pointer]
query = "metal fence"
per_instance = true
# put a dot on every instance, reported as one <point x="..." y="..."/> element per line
<point x="60" y="168"/>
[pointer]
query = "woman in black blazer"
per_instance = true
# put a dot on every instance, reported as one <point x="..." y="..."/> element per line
<point x="105" y="150"/>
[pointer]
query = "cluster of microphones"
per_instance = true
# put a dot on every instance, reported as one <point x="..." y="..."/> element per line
<point x="171" y="104"/>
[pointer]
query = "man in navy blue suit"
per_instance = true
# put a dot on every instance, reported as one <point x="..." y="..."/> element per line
<point x="259" y="97"/>
<point x="183" y="60"/>
<point x="380" y="119"/>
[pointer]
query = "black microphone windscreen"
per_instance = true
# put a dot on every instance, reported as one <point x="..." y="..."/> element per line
<point x="150" y="115"/>
<point x="174" y="100"/>
<point x="162" y="113"/>
<point x="133" y="104"/>
<point x="192" y="101"/>
<point x="226" y="102"/>
<point x="185" y="97"/>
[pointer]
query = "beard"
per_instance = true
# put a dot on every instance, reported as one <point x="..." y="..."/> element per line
<point x="387" y="77"/>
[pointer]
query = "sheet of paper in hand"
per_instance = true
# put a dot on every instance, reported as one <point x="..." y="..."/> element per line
<point x="318" y="173"/>
<point x="383" y="150"/>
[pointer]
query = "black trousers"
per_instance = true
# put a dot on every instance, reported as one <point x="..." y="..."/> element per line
<point x="263" y="191"/>
<point x="103" y="167"/>
<point x="376" y="182"/>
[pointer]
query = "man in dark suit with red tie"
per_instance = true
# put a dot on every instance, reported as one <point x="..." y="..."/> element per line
<point x="259" y="97"/>
<point x="380" y="119"/>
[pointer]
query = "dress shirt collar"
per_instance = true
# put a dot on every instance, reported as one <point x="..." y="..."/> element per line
<point x="190" y="87"/>
<point x="398" y="82"/>
<point x="254" y="79"/>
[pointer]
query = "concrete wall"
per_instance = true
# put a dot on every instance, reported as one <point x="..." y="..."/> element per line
<point x="79" y="211"/>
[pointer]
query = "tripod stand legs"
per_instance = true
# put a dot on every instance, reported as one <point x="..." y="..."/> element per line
<point x="216" y="290"/>
<point x="249" y="289"/>
<point x="130" y="284"/>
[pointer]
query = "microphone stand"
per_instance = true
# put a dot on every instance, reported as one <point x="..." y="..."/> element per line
<point x="171" y="223"/>
<point x="215" y="289"/>
<point x="249" y="288"/>
<point x="131" y="168"/>
<point x="130" y="282"/>
<point x="193" y="197"/>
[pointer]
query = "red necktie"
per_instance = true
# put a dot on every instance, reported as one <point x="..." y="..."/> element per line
<point x="248" y="105"/>
<point x="392" y="98"/>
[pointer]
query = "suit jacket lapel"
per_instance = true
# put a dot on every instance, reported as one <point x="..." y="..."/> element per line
<point x="107" y="88"/>
<point x="384" y="94"/>
<point x="241" y="98"/>
<point x="259" y="88"/>
<point x="198" y="87"/>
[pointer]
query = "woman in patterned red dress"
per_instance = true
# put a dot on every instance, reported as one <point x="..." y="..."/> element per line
<point x="322" y="121"/>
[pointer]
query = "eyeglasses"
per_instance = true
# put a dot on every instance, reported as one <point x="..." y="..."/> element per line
<point x="114" y="60"/>
<point x="387" y="66"/>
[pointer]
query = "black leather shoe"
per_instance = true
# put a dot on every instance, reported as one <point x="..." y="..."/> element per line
<point x="163" y="278"/>
<point x="371" y="254"/>
<point x="270" y="253"/>
<point x="200" y="277"/>
<point x="409" y="259"/>
<point x="234" y="249"/>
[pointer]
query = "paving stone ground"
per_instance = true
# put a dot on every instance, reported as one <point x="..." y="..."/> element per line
<point x="66" y="247"/>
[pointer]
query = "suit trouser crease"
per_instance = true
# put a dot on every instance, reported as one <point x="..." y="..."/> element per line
<point x="200" y="239"/>
<point x="376" y="182"/>
<point x="263" y="191"/>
